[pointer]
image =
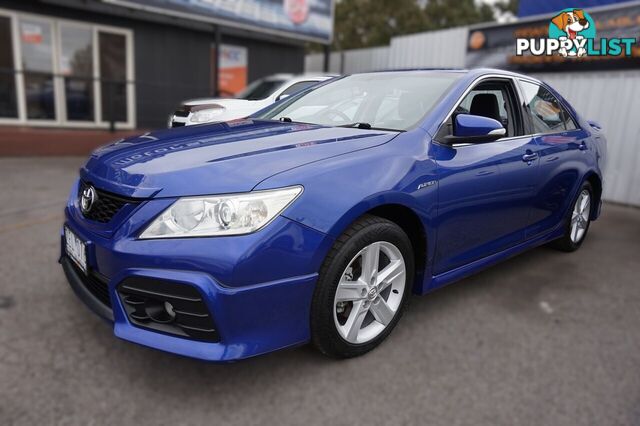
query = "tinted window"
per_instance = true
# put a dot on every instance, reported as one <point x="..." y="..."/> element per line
<point x="76" y="64"/>
<point x="389" y="100"/>
<point x="113" y="60"/>
<point x="260" y="89"/>
<point x="546" y="113"/>
<point x="297" y="87"/>
<point x="8" y="104"/>
<point x="36" y="42"/>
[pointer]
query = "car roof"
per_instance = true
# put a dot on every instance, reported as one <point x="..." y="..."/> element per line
<point x="475" y="72"/>
<point x="299" y="77"/>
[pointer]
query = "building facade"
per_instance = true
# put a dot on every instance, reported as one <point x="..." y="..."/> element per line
<point x="93" y="64"/>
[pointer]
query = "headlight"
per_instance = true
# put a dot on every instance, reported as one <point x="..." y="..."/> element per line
<point x="206" y="115"/>
<point x="211" y="216"/>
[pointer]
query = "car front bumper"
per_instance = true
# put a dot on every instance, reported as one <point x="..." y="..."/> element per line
<point x="257" y="288"/>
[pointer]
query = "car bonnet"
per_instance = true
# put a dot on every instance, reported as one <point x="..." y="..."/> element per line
<point x="217" y="158"/>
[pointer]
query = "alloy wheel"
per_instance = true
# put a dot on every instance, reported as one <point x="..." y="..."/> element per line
<point x="580" y="216"/>
<point x="370" y="292"/>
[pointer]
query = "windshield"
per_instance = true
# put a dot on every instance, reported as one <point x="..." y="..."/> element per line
<point x="386" y="100"/>
<point x="260" y="89"/>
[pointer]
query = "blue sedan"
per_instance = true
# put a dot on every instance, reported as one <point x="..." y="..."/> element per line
<point x="315" y="219"/>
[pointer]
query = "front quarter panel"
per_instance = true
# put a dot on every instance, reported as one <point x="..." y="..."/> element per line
<point x="339" y="190"/>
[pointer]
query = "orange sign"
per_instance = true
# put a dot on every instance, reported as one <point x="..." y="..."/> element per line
<point x="232" y="76"/>
<point x="31" y="33"/>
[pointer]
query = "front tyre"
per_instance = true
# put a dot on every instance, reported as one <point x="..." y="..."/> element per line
<point x="578" y="221"/>
<point x="363" y="288"/>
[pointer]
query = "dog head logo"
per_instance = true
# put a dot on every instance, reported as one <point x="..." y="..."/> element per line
<point x="574" y="25"/>
<point x="571" y="22"/>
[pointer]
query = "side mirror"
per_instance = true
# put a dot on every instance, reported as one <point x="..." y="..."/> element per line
<point x="283" y="96"/>
<point x="475" y="129"/>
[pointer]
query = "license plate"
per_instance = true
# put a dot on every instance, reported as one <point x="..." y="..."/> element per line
<point x="76" y="249"/>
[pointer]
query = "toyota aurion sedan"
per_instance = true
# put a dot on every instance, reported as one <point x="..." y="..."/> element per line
<point x="314" y="220"/>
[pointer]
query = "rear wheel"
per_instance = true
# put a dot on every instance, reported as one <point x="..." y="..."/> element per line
<point x="363" y="288"/>
<point x="577" y="222"/>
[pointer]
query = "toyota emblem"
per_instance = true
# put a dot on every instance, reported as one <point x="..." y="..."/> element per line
<point x="87" y="199"/>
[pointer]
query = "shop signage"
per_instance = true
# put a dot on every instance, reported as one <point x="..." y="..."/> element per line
<point x="303" y="19"/>
<point x="572" y="38"/>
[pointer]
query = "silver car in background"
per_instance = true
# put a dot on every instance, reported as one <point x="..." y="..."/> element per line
<point x="259" y="94"/>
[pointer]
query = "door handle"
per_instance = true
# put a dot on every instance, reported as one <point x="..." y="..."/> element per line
<point x="529" y="157"/>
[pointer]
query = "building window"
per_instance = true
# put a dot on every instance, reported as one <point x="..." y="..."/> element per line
<point x="114" y="76"/>
<point x="8" y="101"/>
<point x="61" y="72"/>
<point x="36" y="47"/>
<point x="76" y="67"/>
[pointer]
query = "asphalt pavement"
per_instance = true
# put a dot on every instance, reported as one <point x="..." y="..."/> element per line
<point x="546" y="338"/>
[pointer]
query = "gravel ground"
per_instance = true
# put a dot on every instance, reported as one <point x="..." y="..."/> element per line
<point x="546" y="338"/>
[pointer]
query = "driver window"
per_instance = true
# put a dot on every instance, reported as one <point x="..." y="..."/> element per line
<point x="483" y="108"/>
<point x="487" y="99"/>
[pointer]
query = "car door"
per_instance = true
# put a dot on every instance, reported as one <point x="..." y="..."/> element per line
<point x="561" y="147"/>
<point x="485" y="190"/>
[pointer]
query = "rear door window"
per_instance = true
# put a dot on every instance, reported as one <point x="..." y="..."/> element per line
<point x="546" y="113"/>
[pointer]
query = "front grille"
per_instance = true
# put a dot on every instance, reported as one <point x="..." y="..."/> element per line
<point x="168" y="307"/>
<point x="96" y="283"/>
<point x="177" y="124"/>
<point x="106" y="205"/>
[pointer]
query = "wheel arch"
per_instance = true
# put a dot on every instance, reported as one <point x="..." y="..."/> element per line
<point x="596" y="184"/>
<point x="400" y="209"/>
<point x="411" y="224"/>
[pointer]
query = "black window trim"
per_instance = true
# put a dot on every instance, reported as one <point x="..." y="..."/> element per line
<point x="516" y="81"/>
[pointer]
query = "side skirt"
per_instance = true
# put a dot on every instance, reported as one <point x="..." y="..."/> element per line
<point x="464" y="271"/>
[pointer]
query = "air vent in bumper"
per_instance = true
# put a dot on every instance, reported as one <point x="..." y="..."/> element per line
<point x="167" y="307"/>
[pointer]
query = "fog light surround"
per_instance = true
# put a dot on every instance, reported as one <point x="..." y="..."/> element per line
<point x="168" y="307"/>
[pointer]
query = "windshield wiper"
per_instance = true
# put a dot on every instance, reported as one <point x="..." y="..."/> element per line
<point x="368" y="126"/>
<point x="359" y="125"/>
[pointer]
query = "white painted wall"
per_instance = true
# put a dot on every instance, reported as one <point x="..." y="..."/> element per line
<point x="373" y="59"/>
<point x="314" y="63"/>
<point x="612" y="98"/>
<point x="435" y="49"/>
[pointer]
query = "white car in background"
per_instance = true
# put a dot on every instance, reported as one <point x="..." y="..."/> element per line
<point x="259" y="94"/>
